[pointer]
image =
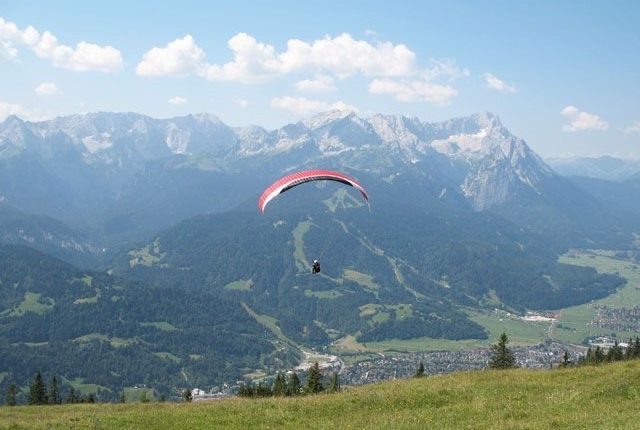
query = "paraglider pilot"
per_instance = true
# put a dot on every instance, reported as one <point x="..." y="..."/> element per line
<point x="316" y="267"/>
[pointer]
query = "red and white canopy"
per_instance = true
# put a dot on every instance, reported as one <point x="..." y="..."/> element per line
<point x="290" y="181"/>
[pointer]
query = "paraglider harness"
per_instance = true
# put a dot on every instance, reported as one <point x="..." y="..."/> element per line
<point x="316" y="267"/>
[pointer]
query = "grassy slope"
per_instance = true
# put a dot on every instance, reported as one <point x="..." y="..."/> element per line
<point x="577" y="317"/>
<point x="572" y="327"/>
<point x="587" y="397"/>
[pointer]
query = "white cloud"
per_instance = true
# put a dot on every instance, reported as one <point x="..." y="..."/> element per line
<point x="414" y="90"/>
<point x="392" y="66"/>
<point x="84" y="57"/>
<point x="47" y="89"/>
<point x="255" y="61"/>
<point x="179" y="58"/>
<point x="633" y="128"/>
<point x="345" y="56"/>
<point x="7" y="109"/>
<point x="497" y="84"/>
<point x="252" y="62"/>
<point x="7" y="50"/>
<point x="445" y="67"/>
<point x="320" y="84"/>
<point x="342" y="106"/>
<point x="579" y="121"/>
<point x="177" y="101"/>
<point x="303" y="106"/>
<point x="241" y="102"/>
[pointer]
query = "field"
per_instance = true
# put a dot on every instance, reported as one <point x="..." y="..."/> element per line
<point x="602" y="397"/>
<point x="572" y="326"/>
<point x="240" y="285"/>
<point x="32" y="302"/>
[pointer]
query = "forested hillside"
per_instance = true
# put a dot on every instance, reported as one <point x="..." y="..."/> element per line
<point x="91" y="328"/>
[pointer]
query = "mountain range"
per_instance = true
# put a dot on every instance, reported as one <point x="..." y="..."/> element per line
<point x="127" y="176"/>
<point x="463" y="217"/>
<point x="605" y="167"/>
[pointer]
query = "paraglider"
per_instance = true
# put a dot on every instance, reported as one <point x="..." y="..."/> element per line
<point x="287" y="182"/>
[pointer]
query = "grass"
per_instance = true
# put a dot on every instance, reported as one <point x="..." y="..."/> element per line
<point x="362" y="279"/>
<point x="168" y="356"/>
<point x="328" y="294"/>
<point x="369" y="309"/>
<point x="573" y="325"/>
<point x="240" y="285"/>
<point x="33" y="302"/>
<point x="88" y="300"/>
<point x="79" y="385"/>
<point x="136" y="394"/>
<point x="381" y="313"/>
<point x="35" y="344"/>
<point x="520" y="332"/>
<point x="115" y="342"/>
<point x="160" y="325"/>
<point x="602" y="397"/>
<point x="341" y="199"/>
<point x="299" y="256"/>
<point x="380" y="317"/>
<point x="148" y="256"/>
<point x="269" y="323"/>
<point x="403" y="310"/>
<point x="348" y="343"/>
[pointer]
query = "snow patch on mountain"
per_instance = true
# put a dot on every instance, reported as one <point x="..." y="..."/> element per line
<point x="178" y="139"/>
<point x="477" y="155"/>
<point x="95" y="143"/>
<point x="324" y="118"/>
<point x="463" y="145"/>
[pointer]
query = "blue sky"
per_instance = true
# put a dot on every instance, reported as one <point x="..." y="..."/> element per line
<point x="565" y="76"/>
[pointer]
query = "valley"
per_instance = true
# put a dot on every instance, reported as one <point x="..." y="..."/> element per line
<point x="174" y="270"/>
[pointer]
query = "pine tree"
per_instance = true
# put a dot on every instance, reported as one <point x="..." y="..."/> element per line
<point x="565" y="359"/>
<point x="54" y="392"/>
<point x="143" y="397"/>
<point x="598" y="355"/>
<point x="314" y="380"/>
<point x="280" y="386"/>
<point x="123" y="399"/>
<point x="72" y="397"/>
<point x="334" y="383"/>
<point x="636" y="348"/>
<point x="589" y="358"/>
<point x="246" y="391"/>
<point x="263" y="390"/>
<point x="186" y="395"/>
<point x="37" y="391"/>
<point x="615" y="353"/>
<point x="91" y="398"/>
<point x="293" y="387"/>
<point x="420" y="371"/>
<point x="629" y="351"/>
<point x="501" y="355"/>
<point x="12" y="394"/>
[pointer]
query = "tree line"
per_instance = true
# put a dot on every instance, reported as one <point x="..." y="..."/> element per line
<point x="597" y="355"/>
<point x="290" y="385"/>
<point x="502" y="357"/>
<point x="41" y="393"/>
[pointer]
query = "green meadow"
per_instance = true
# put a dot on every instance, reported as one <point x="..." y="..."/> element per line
<point x="603" y="397"/>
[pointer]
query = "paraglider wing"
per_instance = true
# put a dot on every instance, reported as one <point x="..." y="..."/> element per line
<point x="290" y="181"/>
